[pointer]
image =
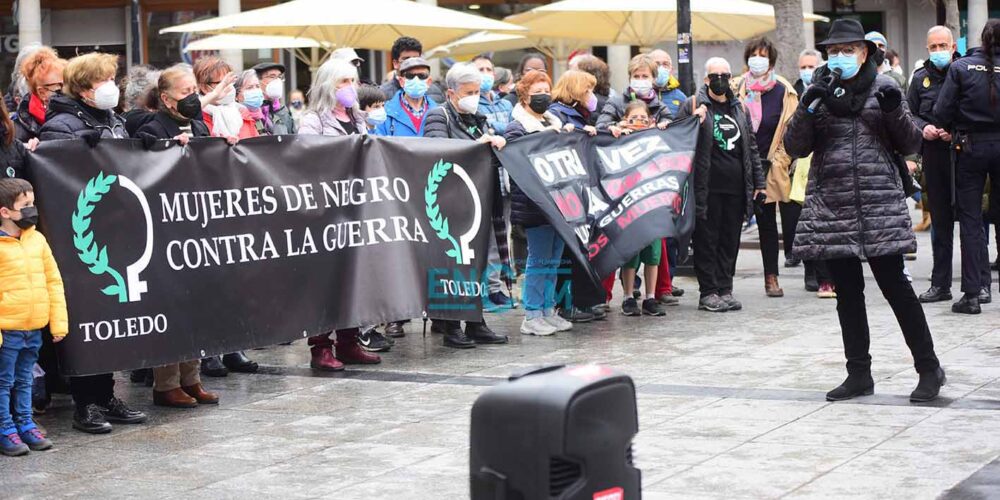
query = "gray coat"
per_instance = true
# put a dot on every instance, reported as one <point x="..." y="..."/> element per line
<point x="282" y="122"/>
<point x="854" y="206"/>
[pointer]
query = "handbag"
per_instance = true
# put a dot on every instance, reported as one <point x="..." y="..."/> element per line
<point x="800" y="179"/>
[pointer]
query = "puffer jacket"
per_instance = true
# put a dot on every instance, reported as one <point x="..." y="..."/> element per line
<point x="31" y="289"/>
<point x="854" y="204"/>
<point x="753" y="175"/>
<point x="523" y="211"/>
<point x="613" y="110"/>
<point x="26" y="127"/>
<point x="70" y="119"/>
<point x="444" y="122"/>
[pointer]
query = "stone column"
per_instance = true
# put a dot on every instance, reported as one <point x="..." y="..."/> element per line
<point x="978" y="14"/>
<point x="29" y="22"/>
<point x="232" y="56"/>
<point x="618" y="57"/>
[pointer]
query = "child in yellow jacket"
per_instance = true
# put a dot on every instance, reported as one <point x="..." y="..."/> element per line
<point x="31" y="297"/>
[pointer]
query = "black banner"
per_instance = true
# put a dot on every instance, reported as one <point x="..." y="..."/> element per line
<point x="184" y="252"/>
<point x="611" y="196"/>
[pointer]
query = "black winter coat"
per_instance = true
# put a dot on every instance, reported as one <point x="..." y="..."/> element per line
<point x="26" y="127"/>
<point x="753" y="174"/>
<point x="12" y="158"/>
<point x="163" y="126"/>
<point x="444" y="122"/>
<point x="854" y="203"/>
<point x="613" y="110"/>
<point x="964" y="102"/>
<point x="71" y="119"/>
<point x="923" y="93"/>
<point x="523" y="211"/>
<point x="135" y="119"/>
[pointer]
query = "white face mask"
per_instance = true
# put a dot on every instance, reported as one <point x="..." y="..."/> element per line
<point x="468" y="104"/>
<point x="758" y="65"/>
<point x="106" y="95"/>
<point x="275" y="90"/>
<point x="376" y="116"/>
<point x="641" y="87"/>
<point x="229" y="98"/>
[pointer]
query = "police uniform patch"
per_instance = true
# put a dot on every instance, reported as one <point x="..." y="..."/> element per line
<point x="927" y="82"/>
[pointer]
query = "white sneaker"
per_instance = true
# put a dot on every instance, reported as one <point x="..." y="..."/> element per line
<point x="560" y="324"/>
<point x="537" y="326"/>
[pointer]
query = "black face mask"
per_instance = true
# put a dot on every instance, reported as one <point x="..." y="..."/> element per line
<point x="189" y="107"/>
<point x="29" y="217"/>
<point x="878" y="57"/>
<point x="718" y="84"/>
<point x="539" y="103"/>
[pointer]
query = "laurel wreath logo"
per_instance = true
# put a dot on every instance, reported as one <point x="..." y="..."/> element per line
<point x="94" y="256"/>
<point x="438" y="222"/>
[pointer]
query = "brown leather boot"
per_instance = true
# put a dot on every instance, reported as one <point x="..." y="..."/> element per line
<point x="174" y="398"/>
<point x="349" y="351"/>
<point x="199" y="393"/>
<point x="771" y="287"/>
<point x="323" y="359"/>
<point x="923" y="225"/>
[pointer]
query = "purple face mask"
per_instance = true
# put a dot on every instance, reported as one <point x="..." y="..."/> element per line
<point x="347" y="96"/>
<point x="592" y="103"/>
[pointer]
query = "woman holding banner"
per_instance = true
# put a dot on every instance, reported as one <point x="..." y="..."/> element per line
<point x="84" y="110"/>
<point x="545" y="246"/>
<point x="333" y="112"/>
<point x="458" y="118"/>
<point x="177" y="385"/>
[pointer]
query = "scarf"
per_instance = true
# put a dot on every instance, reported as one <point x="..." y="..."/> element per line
<point x="848" y="97"/>
<point x="36" y="109"/>
<point x="756" y="88"/>
<point x="227" y="120"/>
<point x="259" y="116"/>
<point x="532" y="124"/>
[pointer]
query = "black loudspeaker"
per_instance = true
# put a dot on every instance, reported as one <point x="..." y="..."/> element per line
<point x="556" y="433"/>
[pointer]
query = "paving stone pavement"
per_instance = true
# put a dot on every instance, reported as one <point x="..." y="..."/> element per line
<point x="730" y="407"/>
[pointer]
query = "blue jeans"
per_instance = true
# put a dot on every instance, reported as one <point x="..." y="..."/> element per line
<point x="18" y="355"/>
<point x="545" y="249"/>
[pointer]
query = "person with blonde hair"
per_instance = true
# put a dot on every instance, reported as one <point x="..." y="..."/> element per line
<point x="42" y="71"/>
<point x="642" y="71"/>
<point x="573" y="99"/>
<point x="85" y="108"/>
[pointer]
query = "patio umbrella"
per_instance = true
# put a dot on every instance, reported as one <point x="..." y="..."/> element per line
<point x="648" y="22"/>
<point x="368" y="24"/>
<point x="312" y="58"/>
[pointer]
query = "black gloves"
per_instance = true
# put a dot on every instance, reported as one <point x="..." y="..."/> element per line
<point x="814" y="95"/>
<point x="91" y="137"/>
<point x="889" y="98"/>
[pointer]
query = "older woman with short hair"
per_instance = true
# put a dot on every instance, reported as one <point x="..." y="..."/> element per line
<point x="250" y="94"/>
<point x="42" y="71"/>
<point x="224" y="116"/>
<point x="458" y="118"/>
<point x="84" y="108"/>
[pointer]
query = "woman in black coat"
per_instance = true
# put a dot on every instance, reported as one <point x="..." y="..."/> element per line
<point x="855" y="126"/>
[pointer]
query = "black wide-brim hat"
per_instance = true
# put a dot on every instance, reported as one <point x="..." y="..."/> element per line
<point x="847" y="31"/>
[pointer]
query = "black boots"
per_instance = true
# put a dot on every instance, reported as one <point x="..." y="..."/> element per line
<point x="929" y="386"/>
<point x="968" y="304"/>
<point x="935" y="294"/>
<point x="852" y="387"/>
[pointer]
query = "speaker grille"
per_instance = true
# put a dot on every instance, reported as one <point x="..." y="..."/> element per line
<point x="562" y="475"/>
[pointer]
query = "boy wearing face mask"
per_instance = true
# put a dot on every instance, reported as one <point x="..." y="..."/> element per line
<point x="272" y="82"/>
<point x="371" y="101"/>
<point x="32" y="297"/>
<point x="727" y="181"/>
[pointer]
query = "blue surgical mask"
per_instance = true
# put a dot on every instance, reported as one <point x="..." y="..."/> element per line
<point x="487" y="85"/>
<point x="253" y="98"/>
<point x="376" y="116"/>
<point x="806" y="75"/>
<point x="415" y="88"/>
<point x="662" y="77"/>
<point x="941" y="58"/>
<point x="848" y="65"/>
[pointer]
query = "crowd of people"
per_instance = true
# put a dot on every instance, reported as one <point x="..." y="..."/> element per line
<point x="852" y="120"/>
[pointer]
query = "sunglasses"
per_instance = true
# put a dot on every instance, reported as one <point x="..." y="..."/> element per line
<point x="422" y="76"/>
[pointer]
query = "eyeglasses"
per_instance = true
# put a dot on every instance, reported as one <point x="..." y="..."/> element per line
<point x="638" y="120"/>
<point x="848" y="50"/>
<point x="53" y="87"/>
<point x="422" y="76"/>
<point x="269" y="78"/>
<point x="720" y="75"/>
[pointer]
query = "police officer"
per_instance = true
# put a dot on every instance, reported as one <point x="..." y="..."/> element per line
<point x="969" y="105"/>
<point x="923" y="93"/>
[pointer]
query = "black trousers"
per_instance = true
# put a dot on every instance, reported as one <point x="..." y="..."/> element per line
<point x="972" y="167"/>
<point x="817" y="269"/>
<point x="767" y="229"/>
<point x="582" y="290"/>
<point x="937" y="176"/>
<point x="717" y="243"/>
<point x="850" y="283"/>
<point x="92" y="389"/>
